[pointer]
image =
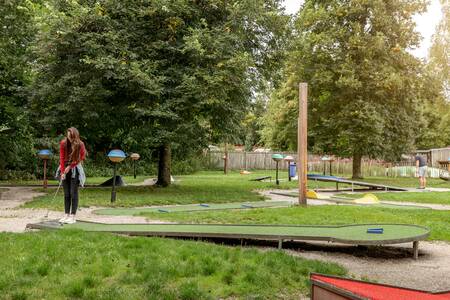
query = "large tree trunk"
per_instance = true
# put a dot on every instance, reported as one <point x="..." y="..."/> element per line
<point x="164" y="166"/>
<point x="357" y="166"/>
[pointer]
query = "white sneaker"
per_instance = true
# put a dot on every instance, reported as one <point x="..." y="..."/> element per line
<point x="71" y="220"/>
<point x="64" y="219"/>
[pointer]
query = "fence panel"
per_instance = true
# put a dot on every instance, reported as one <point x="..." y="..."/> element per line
<point x="339" y="167"/>
<point x="439" y="154"/>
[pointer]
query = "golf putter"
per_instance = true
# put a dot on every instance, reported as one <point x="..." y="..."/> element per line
<point x="54" y="197"/>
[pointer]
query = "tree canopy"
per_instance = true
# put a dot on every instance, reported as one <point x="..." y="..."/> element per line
<point x="168" y="77"/>
<point x="363" y="82"/>
<point x="440" y="49"/>
<point x="16" y="33"/>
<point x="153" y="74"/>
<point x="434" y="130"/>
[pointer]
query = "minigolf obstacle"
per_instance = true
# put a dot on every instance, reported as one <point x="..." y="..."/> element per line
<point x="357" y="234"/>
<point x="326" y="287"/>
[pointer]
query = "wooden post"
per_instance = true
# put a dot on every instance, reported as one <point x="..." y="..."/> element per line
<point x="302" y="166"/>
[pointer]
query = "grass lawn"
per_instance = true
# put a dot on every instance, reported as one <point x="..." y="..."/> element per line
<point x="75" y="264"/>
<point x="437" y="221"/>
<point x="79" y="265"/>
<point x="204" y="187"/>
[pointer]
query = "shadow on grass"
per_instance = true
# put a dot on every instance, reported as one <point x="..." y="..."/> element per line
<point x="373" y="252"/>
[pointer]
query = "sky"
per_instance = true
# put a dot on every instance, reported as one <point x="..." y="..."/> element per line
<point x="426" y="23"/>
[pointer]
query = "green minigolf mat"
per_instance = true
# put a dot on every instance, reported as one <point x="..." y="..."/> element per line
<point x="348" y="201"/>
<point x="190" y="208"/>
<point x="348" y="234"/>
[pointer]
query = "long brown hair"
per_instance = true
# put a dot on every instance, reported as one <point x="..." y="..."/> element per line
<point x="73" y="146"/>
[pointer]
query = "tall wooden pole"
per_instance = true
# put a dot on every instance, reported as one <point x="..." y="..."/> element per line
<point x="302" y="165"/>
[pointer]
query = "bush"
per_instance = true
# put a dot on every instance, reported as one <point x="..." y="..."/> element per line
<point x="98" y="164"/>
<point x="16" y="175"/>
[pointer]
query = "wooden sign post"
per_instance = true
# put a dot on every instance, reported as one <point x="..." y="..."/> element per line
<point x="302" y="162"/>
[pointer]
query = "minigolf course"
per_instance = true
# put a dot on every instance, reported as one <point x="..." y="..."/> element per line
<point x="361" y="234"/>
<point x="366" y="200"/>
<point x="190" y="208"/>
<point x="352" y="183"/>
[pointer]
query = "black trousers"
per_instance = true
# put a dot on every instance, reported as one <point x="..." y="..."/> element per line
<point x="70" y="186"/>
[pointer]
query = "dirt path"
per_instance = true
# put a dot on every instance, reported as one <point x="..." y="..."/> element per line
<point x="15" y="219"/>
<point x="389" y="265"/>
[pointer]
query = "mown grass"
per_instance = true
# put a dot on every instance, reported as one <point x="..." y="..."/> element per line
<point x="79" y="265"/>
<point x="204" y="187"/>
<point x="418" y="197"/>
<point x="437" y="221"/>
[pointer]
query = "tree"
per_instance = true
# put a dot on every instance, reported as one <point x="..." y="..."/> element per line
<point x="251" y="125"/>
<point x="158" y="74"/>
<point x="434" y="122"/>
<point x="439" y="60"/>
<point x="363" y="82"/>
<point x="16" y="32"/>
<point x="434" y="130"/>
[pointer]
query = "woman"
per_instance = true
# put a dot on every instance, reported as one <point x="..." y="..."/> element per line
<point x="71" y="153"/>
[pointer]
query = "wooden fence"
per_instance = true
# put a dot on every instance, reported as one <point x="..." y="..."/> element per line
<point x="438" y="155"/>
<point x="264" y="161"/>
<point x="339" y="167"/>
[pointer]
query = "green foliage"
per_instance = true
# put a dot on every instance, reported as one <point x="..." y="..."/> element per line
<point x="434" y="130"/>
<point x="106" y="266"/>
<point x="16" y="31"/>
<point x="440" y="49"/>
<point x="149" y="73"/>
<point x="434" y="127"/>
<point x="251" y="125"/>
<point x="362" y="81"/>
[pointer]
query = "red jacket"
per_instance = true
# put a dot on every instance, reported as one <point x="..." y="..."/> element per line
<point x="63" y="155"/>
